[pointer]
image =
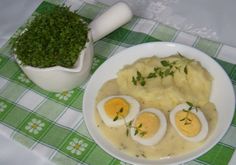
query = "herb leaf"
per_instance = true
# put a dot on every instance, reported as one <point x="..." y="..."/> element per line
<point x="190" y="104"/>
<point x="168" y="68"/>
<point x="115" y="118"/>
<point x="142" y="83"/>
<point x="130" y="123"/>
<point x="138" y="79"/>
<point x="165" y="63"/>
<point x="151" y="75"/>
<point x="186" y="70"/>
<point x="140" y="125"/>
<point x="134" y="81"/>
<point x="186" y="119"/>
<point x="139" y="76"/>
<point x="167" y="72"/>
<point x="127" y="132"/>
<point x="143" y="133"/>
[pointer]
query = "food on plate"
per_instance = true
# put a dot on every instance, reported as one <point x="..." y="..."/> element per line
<point x="189" y="122"/>
<point x="171" y="91"/>
<point x="149" y="127"/>
<point x="117" y="110"/>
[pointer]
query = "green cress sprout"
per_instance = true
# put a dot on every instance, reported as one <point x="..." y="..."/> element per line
<point x="54" y="38"/>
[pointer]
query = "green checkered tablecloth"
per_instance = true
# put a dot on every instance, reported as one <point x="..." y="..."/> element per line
<point x="59" y="115"/>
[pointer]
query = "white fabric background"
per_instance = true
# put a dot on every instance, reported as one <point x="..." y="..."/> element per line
<point x="213" y="19"/>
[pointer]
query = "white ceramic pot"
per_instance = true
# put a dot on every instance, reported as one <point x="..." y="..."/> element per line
<point x="59" y="79"/>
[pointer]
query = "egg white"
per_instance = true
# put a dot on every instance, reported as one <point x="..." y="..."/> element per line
<point x="133" y="111"/>
<point x="204" y="124"/>
<point x="159" y="134"/>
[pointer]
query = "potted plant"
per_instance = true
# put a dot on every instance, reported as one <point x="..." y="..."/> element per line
<point x="55" y="49"/>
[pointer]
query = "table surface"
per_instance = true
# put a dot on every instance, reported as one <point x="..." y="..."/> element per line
<point x="187" y="15"/>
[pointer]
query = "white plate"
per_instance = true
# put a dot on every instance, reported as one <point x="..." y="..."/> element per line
<point x="222" y="96"/>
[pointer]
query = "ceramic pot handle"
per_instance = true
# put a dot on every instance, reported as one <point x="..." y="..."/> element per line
<point x="116" y="16"/>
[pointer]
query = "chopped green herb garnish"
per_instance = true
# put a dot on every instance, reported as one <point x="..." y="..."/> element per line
<point x="140" y="125"/>
<point x="129" y="125"/>
<point x="143" y="133"/>
<point x="143" y="155"/>
<point x="138" y="130"/>
<point x="167" y="69"/>
<point x="190" y="104"/>
<point x="151" y="75"/>
<point x="142" y="82"/>
<point x="118" y="114"/>
<point x="139" y="76"/>
<point x="186" y="70"/>
<point x="115" y="118"/>
<point x="127" y="132"/>
<point x="165" y="63"/>
<point x="134" y="81"/>
<point x="186" y="119"/>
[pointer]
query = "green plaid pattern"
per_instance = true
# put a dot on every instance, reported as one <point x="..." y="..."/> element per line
<point x="58" y="116"/>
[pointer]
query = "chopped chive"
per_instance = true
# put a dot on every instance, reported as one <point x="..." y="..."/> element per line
<point x="186" y="70"/>
<point x="116" y="118"/>
<point x="143" y="133"/>
<point x="127" y="132"/>
<point x="190" y="104"/>
<point x="134" y="81"/>
<point x="140" y="125"/>
<point x="182" y="119"/>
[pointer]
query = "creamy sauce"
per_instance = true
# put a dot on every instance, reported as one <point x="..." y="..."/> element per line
<point x="172" y="144"/>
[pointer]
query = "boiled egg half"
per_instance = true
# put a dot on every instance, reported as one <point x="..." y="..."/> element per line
<point x="189" y="122"/>
<point x="149" y="127"/>
<point x="118" y="110"/>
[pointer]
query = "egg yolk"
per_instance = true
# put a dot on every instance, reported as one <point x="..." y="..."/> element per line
<point x="116" y="107"/>
<point x="148" y="124"/>
<point x="187" y="123"/>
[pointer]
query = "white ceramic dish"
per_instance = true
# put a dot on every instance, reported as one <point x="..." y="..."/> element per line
<point x="59" y="79"/>
<point x="222" y="95"/>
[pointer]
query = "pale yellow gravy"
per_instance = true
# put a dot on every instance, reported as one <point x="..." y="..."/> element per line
<point x="163" y="94"/>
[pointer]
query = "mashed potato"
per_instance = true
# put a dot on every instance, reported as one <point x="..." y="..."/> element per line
<point x="165" y="93"/>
